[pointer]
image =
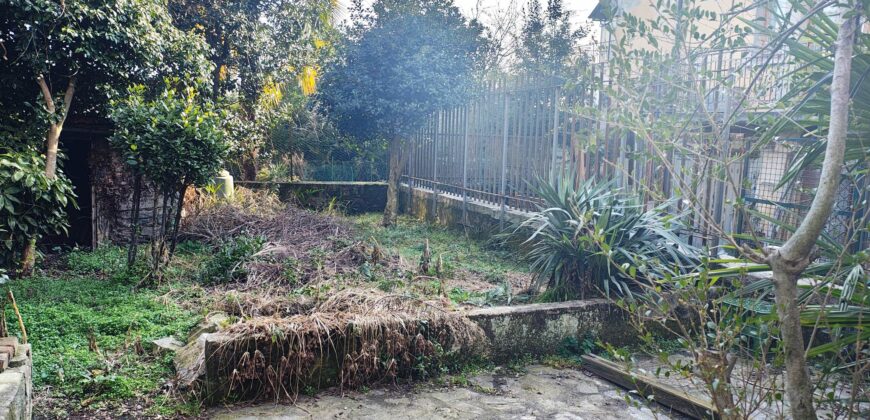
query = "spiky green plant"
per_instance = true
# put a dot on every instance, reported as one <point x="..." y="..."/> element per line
<point x="590" y="238"/>
<point x="806" y="106"/>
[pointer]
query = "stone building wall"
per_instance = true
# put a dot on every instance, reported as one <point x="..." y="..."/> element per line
<point x="112" y="195"/>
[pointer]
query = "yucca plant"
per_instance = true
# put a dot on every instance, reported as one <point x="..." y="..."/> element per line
<point x="591" y="238"/>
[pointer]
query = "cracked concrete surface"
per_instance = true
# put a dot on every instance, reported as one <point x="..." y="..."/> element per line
<point x="540" y="392"/>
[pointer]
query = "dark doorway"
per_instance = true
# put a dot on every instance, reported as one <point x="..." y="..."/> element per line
<point x="75" y="145"/>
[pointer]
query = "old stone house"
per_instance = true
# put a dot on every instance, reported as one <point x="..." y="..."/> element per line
<point x="103" y="184"/>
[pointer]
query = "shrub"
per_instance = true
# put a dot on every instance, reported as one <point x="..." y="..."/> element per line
<point x="32" y="204"/>
<point x="173" y="141"/>
<point x="228" y="263"/>
<point x="590" y="237"/>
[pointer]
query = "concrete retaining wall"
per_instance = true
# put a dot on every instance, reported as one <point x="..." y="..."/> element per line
<point x="16" y="381"/>
<point x="512" y="332"/>
<point x="479" y="218"/>
<point x="351" y="197"/>
<point x="542" y="328"/>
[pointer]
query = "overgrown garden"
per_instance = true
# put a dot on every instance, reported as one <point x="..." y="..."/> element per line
<point x="634" y="170"/>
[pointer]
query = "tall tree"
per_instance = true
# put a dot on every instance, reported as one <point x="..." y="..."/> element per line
<point x="547" y="43"/>
<point x="402" y="61"/>
<point x="789" y="261"/>
<point x="664" y="108"/>
<point x="78" y="52"/>
<point x="258" y="46"/>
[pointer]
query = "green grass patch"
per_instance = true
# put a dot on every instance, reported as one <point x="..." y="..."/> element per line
<point x="457" y="250"/>
<point x="91" y="333"/>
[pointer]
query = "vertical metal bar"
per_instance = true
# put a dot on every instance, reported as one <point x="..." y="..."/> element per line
<point x="553" y="156"/>
<point x="724" y="139"/>
<point x="744" y="177"/>
<point x="465" y="167"/>
<point x="435" y="162"/>
<point x="725" y="152"/>
<point x="411" y="170"/>
<point x="504" y="142"/>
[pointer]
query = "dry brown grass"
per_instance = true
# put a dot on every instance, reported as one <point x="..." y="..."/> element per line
<point x="355" y="337"/>
<point x="301" y="246"/>
<point x="350" y="336"/>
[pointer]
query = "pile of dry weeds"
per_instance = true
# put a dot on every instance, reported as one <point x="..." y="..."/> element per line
<point x="300" y="246"/>
<point x="349" y="336"/>
<point x="353" y="338"/>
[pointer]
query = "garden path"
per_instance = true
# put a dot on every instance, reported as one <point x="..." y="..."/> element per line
<point x="537" y="393"/>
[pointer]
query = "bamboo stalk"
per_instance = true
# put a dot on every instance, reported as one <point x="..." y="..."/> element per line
<point x="4" y="329"/>
<point x="18" y="314"/>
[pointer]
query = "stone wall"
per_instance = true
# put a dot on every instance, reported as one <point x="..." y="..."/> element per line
<point x="480" y="219"/>
<point x="543" y="328"/>
<point x="16" y="380"/>
<point x="512" y="332"/>
<point x="112" y="189"/>
<point x="350" y="197"/>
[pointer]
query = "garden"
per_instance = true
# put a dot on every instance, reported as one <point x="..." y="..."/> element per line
<point x="95" y="353"/>
<point x="252" y="208"/>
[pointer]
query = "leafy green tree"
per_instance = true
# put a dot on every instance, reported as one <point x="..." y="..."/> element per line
<point x="789" y="261"/>
<point x="61" y="51"/>
<point x="31" y="205"/>
<point x="75" y="52"/>
<point x="547" y="42"/>
<point x="661" y="95"/>
<point x="401" y="61"/>
<point x="174" y="141"/>
<point x="259" y="49"/>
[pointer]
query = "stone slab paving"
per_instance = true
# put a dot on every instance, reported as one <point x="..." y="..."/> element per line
<point x="540" y="392"/>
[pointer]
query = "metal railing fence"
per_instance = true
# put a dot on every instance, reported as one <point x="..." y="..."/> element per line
<point x="494" y="149"/>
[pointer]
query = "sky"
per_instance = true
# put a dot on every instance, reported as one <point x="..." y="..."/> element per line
<point x="484" y="8"/>
<point x="580" y="8"/>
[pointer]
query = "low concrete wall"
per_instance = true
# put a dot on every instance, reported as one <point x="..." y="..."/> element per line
<point x="542" y="328"/>
<point x="512" y="332"/>
<point x="16" y="382"/>
<point x="352" y="197"/>
<point x="479" y="218"/>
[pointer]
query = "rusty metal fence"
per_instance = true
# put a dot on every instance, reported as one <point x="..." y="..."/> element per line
<point x="514" y="134"/>
<point x="494" y="149"/>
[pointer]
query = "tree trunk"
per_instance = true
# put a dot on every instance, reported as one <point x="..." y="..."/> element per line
<point x="789" y="261"/>
<point x="799" y="390"/>
<point x="167" y="210"/>
<point x="28" y="259"/>
<point x="715" y="370"/>
<point x="249" y="167"/>
<point x="176" y="223"/>
<point x="134" y="221"/>
<point x="391" y="210"/>
<point x="52" y="137"/>
<point x="52" y="140"/>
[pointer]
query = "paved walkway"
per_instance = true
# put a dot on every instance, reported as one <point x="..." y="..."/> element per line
<point x="541" y="392"/>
